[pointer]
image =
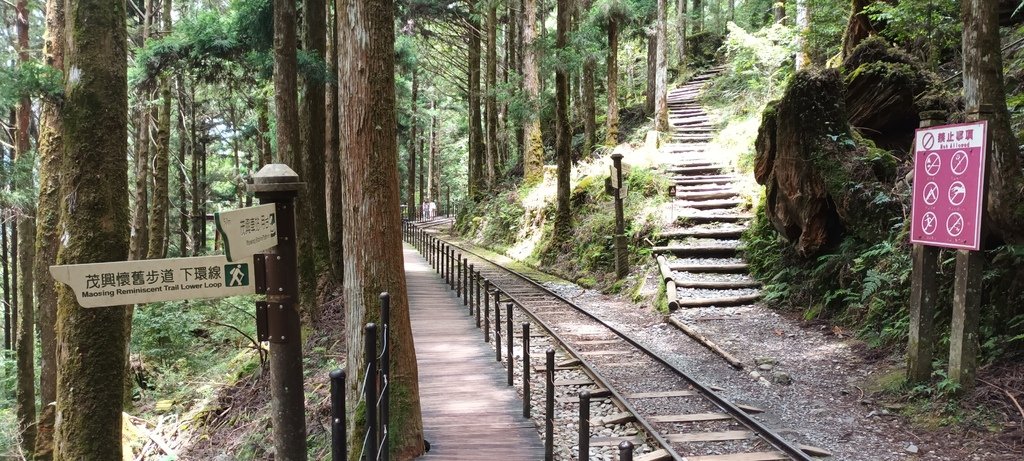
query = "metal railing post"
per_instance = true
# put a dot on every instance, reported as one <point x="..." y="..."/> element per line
<point x="497" y="332"/>
<point x="584" y="442"/>
<point x="549" y="405"/>
<point x="469" y="288"/>
<point x="526" y="370"/>
<point x="338" y="449"/>
<point x="508" y="333"/>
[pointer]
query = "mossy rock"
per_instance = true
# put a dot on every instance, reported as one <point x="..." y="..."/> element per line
<point x="702" y="48"/>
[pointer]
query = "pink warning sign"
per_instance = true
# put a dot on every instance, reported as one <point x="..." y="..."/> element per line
<point x="949" y="169"/>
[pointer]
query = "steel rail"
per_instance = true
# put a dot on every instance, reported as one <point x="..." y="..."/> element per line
<point x="763" y="431"/>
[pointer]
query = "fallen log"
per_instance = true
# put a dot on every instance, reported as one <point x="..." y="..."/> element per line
<point x="706" y="343"/>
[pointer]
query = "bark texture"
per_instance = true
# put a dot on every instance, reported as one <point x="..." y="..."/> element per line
<point x="533" y="152"/>
<point x="51" y="151"/>
<point x="563" y="138"/>
<point x="314" y="255"/>
<point x="26" y="389"/>
<point x="491" y="99"/>
<point x="92" y="342"/>
<point x="984" y="94"/>
<point x="373" y="222"/>
<point x="477" y="150"/>
<point x="661" y="68"/>
<point x="410" y="198"/>
<point x="332" y="154"/>
<point x="612" y="120"/>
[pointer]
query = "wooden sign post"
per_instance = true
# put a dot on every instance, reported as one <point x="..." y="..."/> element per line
<point x="948" y="211"/>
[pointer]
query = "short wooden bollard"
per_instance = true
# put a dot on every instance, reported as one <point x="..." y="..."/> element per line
<point x="549" y="405"/>
<point x="526" y="370"/>
<point x="626" y="451"/>
<point x="508" y="331"/>
<point x="584" y="441"/>
<point x="338" y="449"/>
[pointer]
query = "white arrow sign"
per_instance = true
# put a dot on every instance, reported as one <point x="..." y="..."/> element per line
<point x="146" y="281"/>
<point x="247" y="231"/>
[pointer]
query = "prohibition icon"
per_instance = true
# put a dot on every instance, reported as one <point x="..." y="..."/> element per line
<point x="954" y="224"/>
<point x="928" y="140"/>
<point x="957" y="193"/>
<point x="959" y="162"/>
<point x="932" y="164"/>
<point x="928" y="223"/>
<point x="931" y="193"/>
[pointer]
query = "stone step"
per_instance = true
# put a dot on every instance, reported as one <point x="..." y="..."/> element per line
<point x="697" y="250"/>
<point x="705" y="218"/>
<point x="706" y="195"/>
<point x="717" y="285"/>
<point x="710" y="204"/>
<point x="710" y="268"/>
<point x="696" y="170"/>
<point x="726" y="233"/>
<point x="722" y="301"/>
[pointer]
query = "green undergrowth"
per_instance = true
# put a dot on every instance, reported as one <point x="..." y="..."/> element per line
<point x="519" y="223"/>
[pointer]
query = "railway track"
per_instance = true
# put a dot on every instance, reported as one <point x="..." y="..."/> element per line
<point x="683" y="418"/>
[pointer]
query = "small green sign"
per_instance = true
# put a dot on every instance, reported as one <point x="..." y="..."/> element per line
<point x="236" y="275"/>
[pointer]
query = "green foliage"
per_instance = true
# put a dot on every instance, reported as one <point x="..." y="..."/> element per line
<point x="926" y="28"/>
<point x="30" y="79"/>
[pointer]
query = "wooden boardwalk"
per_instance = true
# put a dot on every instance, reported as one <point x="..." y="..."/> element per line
<point x="469" y="411"/>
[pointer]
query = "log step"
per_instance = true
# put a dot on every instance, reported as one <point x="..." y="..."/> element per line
<point x="700" y="233"/>
<point x="700" y="268"/>
<point x="707" y="195"/>
<point x="712" y="204"/>
<point x="705" y="180"/>
<point x="720" y="301"/>
<point x="710" y="218"/>
<point x="696" y="170"/>
<point x="707" y="284"/>
<point x="698" y="250"/>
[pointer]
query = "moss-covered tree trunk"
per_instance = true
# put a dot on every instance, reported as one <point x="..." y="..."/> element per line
<point x="411" y="211"/>
<point x="161" y="160"/>
<point x="332" y="154"/>
<point x="491" y="100"/>
<point x="661" y="68"/>
<point x="183" y="146"/>
<point x="93" y="342"/>
<point x="652" y="69"/>
<point x="314" y="256"/>
<point x="373" y="223"/>
<point x="477" y="150"/>
<point x="589" y="105"/>
<point x="681" y="34"/>
<point x="50" y="152"/>
<point x="533" y="152"/>
<point x="26" y="389"/>
<point x="612" y="120"/>
<point x="984" y="94"/>
<point x="563" y="138"/>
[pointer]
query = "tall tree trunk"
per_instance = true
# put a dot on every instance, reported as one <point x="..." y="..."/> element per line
<point x="589" y="105"/>
<point x="10" y="324"/>
<point x="802" y="22"/>
<point x="161" y="160"/>
<point x="563" y="138"/>
<point x="477" y="153"/>
<point x="314" y="255"/>
<point x="95" y="216"/>
<point x="533" y="152"/>
<point x="183" y="146"/>
<point x="263" y="127"/>
<point x="332" y="155"/>
<point x="652" y="69"/>
<point x="612" y="120"/>
<point x="681" y="33"/>
<point x="48" y="231"/>
<point x="779" y="11"/>
<point x="698" y="15"/>
<point x="984" y="93"/>
<point x="506" y="125"/>
<point x="433" y="189"/>
<point x="198" y="152"/>
<point x="661" y="68"/>
<point x="411" y="211"/>
<point x="140" y="212"/>
<point x="372" y="234"/>
<point x="290" y="153"/>
<point x="732" y="10"/>
<point x="26" y="389"/>
<point x="491" y="101"/>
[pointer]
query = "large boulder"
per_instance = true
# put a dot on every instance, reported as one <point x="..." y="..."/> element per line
<point x="820" y="177"/>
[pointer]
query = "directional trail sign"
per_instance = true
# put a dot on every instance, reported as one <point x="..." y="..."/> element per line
<point x="145" y="281"/>
<point x="949" y="184"/>
<point x="247" y="231"/>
